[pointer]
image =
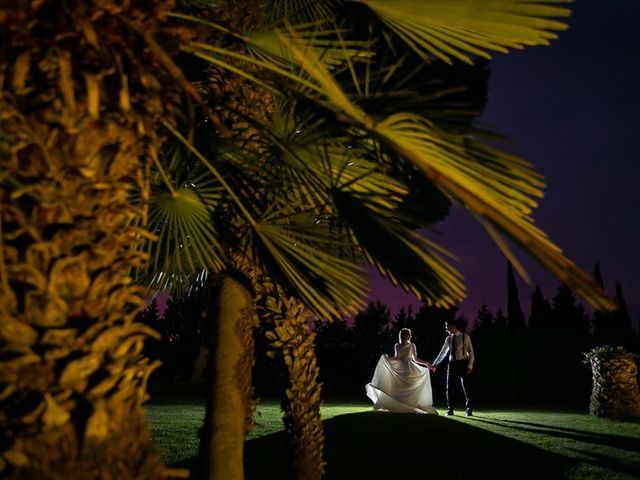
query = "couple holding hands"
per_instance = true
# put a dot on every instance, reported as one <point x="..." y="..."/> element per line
<point x="402" y="383"/>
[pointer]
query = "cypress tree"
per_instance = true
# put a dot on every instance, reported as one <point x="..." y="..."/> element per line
<point x="371" y="334"/>
<point x="597" y="275"/>
<point x="621" y="318"/>
<point x="568" y="313"/>
<point x="484" y="319"/>
<point x="603" y="327"/>
<point x="515" y="317"/>
<point x="428" y="328"/>
<point x="404" y="319"/>
<point x="463" y="322"/>
<point x="541" y="316"/>
<point x="500" y="320"/>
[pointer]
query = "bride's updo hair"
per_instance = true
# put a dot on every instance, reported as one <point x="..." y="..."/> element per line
<point x="404" y="333"/>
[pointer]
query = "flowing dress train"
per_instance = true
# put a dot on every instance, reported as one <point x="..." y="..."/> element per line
<point x="401" y="385"/>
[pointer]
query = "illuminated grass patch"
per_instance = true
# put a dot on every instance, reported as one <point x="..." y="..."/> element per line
<point x="522" y="444"/>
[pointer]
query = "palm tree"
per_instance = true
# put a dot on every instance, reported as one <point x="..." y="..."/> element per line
<point x="185" y="205"/>
<point x="284" y="318"/>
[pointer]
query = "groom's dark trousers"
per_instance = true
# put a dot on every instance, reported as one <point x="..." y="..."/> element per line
<point x="457" y="372"/>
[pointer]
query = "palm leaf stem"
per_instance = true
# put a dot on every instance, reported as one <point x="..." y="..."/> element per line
<point x="163" y="174"/>
<point x="195" y="49"/>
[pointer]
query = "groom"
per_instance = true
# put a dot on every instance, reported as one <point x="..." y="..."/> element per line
<point x="458" y="350"/>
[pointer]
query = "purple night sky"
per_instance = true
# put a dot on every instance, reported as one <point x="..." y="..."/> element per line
<point x="573" y="110"/>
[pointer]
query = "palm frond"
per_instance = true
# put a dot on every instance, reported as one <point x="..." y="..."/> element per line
<point x="498" y="187"/>
<point x="449" y="29"/>
<point x="493" y="184"/>
<point x="328" y="285"/>
<point x="219" y="57"/>
<point x="452" y="96"/>
<point x="303" y="11"/>
<point x="187" y="238"/>
<point x="327" y="44"/>
<point x="182" y="200"/>
<point x="177" y="284"/>
<point x="365" y="200"/>
<point x="407" y="258"/>
<point x="232" y="193"/>
<point x="347" y="170"/>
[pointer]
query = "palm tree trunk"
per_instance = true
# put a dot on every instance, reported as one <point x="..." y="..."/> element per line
<point x="229" y="407"/>
<point x="292" y="342"/>
<point x="72" y="369"/>
<point x="72" y="145"/>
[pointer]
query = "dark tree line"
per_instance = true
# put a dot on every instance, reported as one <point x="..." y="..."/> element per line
<point x="541" y="363"/>
<point x="525" y="360"/>
<point x="520" y="359"/>
<point x="534" y="363"/>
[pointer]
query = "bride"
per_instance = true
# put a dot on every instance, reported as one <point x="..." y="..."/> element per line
<point x="402" y="383"/>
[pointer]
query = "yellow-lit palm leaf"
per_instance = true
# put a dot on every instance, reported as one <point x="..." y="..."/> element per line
<point x="187" y="238"/>
<point x="407" y="258"/>
<point x="303" y="11"/>
<point x="457" y="28"/>
<point x="328" y="285"/>
<point x="496" y="186"/>
<point x="326" y="44"/>
<point x="365" y="200"/>
<point x="342" y="169"/>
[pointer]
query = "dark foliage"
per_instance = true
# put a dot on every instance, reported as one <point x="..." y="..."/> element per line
<point x="613" y="328"/>
<point x="484" y="320"/>
<point x="500" y="321"/>
<point x="181" y="326"/>
<point x="597" y="275"/>
<point x="541" y="317"/>
<point x="515" y="317"/>
<point x="569" y="314"/>
<point x="536" y="366"/>
<point x="621" y="318"/>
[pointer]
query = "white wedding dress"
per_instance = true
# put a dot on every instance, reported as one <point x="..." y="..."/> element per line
<point x="401" y="385"/>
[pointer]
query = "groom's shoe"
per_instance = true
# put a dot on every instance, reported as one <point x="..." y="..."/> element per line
<point x="449" y="413"/>
<point x="469" y="413"/>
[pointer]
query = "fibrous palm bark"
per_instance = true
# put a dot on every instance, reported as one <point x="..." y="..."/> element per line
<point x="615" y="391"/>
<point x="292" y="346"/>
<point x="77" y="132"/>
<point x="241" y="297"/>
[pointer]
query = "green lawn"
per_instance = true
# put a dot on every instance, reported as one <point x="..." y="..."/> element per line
<point x="494" y="444"/>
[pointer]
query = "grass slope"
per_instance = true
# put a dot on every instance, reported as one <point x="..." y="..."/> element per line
<point x="496" y="444"/>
